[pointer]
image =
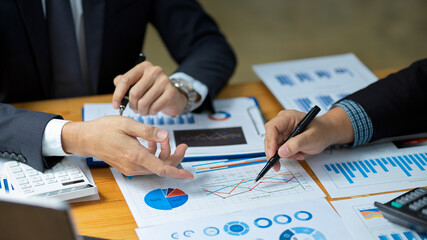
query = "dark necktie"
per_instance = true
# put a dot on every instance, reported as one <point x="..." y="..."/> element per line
<point x="66" y="71"/>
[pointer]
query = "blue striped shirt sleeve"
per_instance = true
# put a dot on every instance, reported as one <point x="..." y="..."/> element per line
<point x="362" y="124"/>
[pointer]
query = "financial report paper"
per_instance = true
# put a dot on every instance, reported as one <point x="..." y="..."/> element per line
<point x="219" y="187"/>
<point x="301" y="84"/>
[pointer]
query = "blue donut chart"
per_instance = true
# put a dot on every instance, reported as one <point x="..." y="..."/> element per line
<point x="259" y="222"/>
<point x="301" y="233"/>
<point x="277" y="219"/>
<point x="236" y="228"/>
<point x="298" y="216"/>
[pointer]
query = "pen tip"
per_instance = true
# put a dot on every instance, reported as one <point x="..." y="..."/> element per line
<point x="121" y="111"/>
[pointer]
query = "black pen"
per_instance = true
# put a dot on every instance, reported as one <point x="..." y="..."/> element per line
<point x="125" y="100"/>
<point x="299" y="129"/>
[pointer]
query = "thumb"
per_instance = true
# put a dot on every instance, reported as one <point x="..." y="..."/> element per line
<point x="293" y="146"/>
<point x="147" y="132"/>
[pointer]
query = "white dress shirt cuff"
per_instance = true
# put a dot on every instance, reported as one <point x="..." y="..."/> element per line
<point x="51" y="142"/>
<point x="198" y="86"/>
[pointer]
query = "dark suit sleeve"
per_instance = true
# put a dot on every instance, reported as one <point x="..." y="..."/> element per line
<point x="21" y="136"/>
<point x="397" y="104"/>
<point x="195" y="42"/>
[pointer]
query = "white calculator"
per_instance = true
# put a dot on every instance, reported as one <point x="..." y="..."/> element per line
<point x="64" y="181"/>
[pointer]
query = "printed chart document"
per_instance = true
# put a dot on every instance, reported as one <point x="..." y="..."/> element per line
<point x="235" y="130"/>
<point x="371" y="168"/>
<point x="219" y="187"/>
<point x="301" y="84"/>
<point x="366" y="222"/>
<point x="286" y="221"/>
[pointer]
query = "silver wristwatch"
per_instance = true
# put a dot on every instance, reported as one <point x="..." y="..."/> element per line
<point x="188" y="90"/>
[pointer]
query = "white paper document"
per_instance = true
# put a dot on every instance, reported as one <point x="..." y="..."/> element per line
<point x="310" y="219"/>
<point x="219" y="187"/>
<point x="371" y="168"/>
<point x="236" y="129"/>
<point x="301" y="84"/>
<point x="366" y="222"/>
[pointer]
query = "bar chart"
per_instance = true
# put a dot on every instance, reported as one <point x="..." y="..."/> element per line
<point x="370" y="169"/>
<point x="301" y="84"/>
<point x="162" y="119"/>
<point x="406" y="166"/>
<point x="325" y="101"/>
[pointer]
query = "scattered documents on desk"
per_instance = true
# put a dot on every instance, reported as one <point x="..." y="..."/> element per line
<point x="366" y="222"/>
<point x="372" y="168"/>
<point x="286" y="221"/>
<point x="301" y="84"/>
<point x="219" y="187"/>
<point x="235" y="130"/>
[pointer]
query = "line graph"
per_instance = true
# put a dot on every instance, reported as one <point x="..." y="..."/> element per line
<point x="267" y="185"/>
<point x="229" y="183"/>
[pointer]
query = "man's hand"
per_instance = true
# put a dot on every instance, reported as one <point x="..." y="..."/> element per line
<point x="334" y="127"/>
<point x="151" y="91"/>
<point x="113" y="139"/>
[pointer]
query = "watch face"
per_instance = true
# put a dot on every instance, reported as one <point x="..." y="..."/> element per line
<point x="187" y="85"/>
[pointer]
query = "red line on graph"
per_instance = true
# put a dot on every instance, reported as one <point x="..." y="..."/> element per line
<point x="255" y="186"/>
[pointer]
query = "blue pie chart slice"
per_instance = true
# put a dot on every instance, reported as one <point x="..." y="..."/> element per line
<point x="166" y="199"/>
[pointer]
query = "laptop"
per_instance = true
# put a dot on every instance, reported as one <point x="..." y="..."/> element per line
<point x="30" y="218"/>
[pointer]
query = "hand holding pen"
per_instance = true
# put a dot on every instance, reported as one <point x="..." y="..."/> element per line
<point x="125" y="100"/>
<point x="149" y="91"/>
<point x="299" y="129"/>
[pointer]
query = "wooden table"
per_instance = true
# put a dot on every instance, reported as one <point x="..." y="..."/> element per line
<point x="110" y="217"/>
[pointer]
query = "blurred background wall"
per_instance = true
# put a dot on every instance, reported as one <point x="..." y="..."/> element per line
<point x="382" y="33"/>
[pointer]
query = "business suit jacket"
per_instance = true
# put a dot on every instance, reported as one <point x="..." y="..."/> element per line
<point x="397" y="104"/>
<point x="114" y="35"/>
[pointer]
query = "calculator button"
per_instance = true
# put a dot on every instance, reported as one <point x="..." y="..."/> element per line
<point x="73" y="170"/>
<point x="26" y="167"/>
<point x="64" y="178"/>
<point x="36" y="184"/>
<point x="22" y="181"/>
<point x="49" y="176"/>
<point x="75" y="176"/>
<point x="19" y="175"/>
<point x="35" y="179"/>
<point x="61" y="173"/>
<point x="25" y="186"/>
<point x="424" y="211"/>
<point x="396" y="204"/>
<point x="32" y="173"/>
<point x="15" y="169"/>
<point x="421" y="190"/>
<point x="58" y="167"/>
<point x="13" y="163"/>
<point x="49" y="181"/>
<point x="29" y="190"/>
<point x="413" y="207"/>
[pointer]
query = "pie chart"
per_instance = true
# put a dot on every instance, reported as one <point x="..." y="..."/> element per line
<point x="166" y="199"/>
